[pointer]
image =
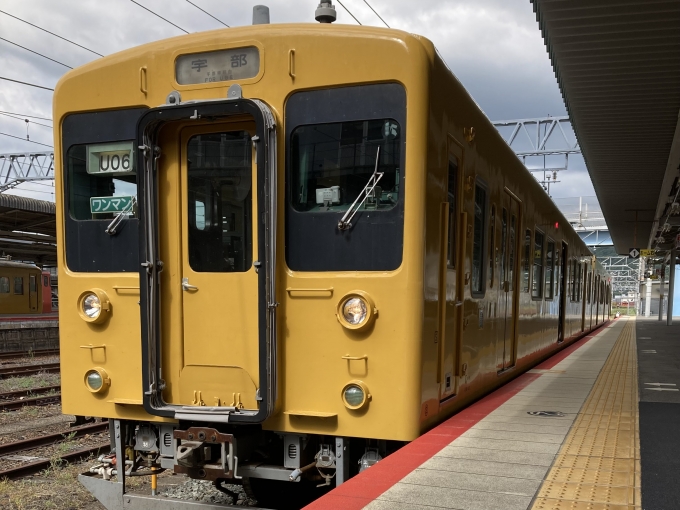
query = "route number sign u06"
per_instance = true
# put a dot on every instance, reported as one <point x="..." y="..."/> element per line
<point x="115" y="158"/>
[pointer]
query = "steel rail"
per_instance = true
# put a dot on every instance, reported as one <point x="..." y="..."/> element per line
<point x="28" y="354"/>
<point x="40" y="465"/>
<point x="20" y="370"/>
<point x="36" y="442"/>
<point x="43" y="400"/>
<point x="31" y="392"/>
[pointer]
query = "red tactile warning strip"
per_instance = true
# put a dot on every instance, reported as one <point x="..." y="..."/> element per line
<point x="360" y="490"/>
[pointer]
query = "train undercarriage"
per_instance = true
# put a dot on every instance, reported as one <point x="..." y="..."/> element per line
<point x="279" y="470"/>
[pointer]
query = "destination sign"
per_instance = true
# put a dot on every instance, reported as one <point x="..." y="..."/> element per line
<point x="115" y="204"/>
<point x="212" y="66"/>
<point x="111" y="158"/>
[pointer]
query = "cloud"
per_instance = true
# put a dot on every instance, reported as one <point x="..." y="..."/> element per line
<point x="494" y="47"/>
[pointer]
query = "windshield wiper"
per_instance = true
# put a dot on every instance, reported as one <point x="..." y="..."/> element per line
<point x="345" y="222"/>
<point x="111" y="229"/>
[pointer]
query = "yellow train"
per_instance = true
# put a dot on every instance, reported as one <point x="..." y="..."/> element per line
<point x="285" y="250"/>
<point x="25" y="289"/>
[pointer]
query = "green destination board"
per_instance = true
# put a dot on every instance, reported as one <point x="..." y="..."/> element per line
<point x="116" y="204"/>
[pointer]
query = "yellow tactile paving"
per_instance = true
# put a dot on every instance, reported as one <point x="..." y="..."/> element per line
<point x="598" y="466"/>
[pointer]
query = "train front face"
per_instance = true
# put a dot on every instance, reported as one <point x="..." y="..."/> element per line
<point x="266" y="202"/>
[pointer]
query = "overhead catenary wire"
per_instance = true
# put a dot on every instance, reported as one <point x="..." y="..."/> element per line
<point x="375" y="12"/>
<point x="349" y="12"/>
<point x="32" y="51"/>
<point x="24" y="115"/>
<point x="25" y="120"/>
<point x="24" y="140"/>
<point x="26" y="83"/>
<point x="206" y="12"/>
<point x="158" y="15"/>
<point x="51" y="33"/>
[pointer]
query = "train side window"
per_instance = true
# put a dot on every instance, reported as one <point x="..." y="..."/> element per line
<point x="527" y="261"/>
<point x="478" y="241"/>
<point x="492" y="243"/>
<point x="18" y="285"/>
<point x="4" y="285"/>
<point x="550" y="270"/>
<point x="46" y="281"/>
<point x="537" y="281"/>
<point x="453" y="208"/>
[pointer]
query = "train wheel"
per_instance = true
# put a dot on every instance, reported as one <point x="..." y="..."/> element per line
<point x="279" y="495"/>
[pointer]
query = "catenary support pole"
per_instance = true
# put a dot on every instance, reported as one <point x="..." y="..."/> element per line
<point x="661" y="289"/>
<point x="648" y="297"/>
<point x="671" y="286"/>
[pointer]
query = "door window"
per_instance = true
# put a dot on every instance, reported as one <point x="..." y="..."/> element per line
<point x="220" y="202"/>
<point x="478" y="240"/>
<point x="537" y="282"/>
<point x="31" y="284"/>
<point x="527" y="261"/>
<point x="550" y="269"/>
<point x="451" y="197"/>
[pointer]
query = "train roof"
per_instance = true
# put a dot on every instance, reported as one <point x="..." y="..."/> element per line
<point x="18" y="265"/>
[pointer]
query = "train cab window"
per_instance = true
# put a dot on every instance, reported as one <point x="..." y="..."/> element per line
<point x="478" y="240"/>
<point x="18" y="285"/>
<point x="550" y="270"/>
<point x="219" y="173"/>
<point x="335" y="165"/>
<point x="4" y="285"/>
<point x="527" y="261"/>
<point x="345" y="178"/>
<point x="537" y="276"/>
<point x="453" y="208"/>
<point x="492" y="241"/>
<point x="102" y="181"/>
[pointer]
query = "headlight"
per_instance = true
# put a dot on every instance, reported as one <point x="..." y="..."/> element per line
<point x="354" y="311"/>
<point x="92" y="306"/>
<point x="355" y="395"/>
<point x="97" y="380"/>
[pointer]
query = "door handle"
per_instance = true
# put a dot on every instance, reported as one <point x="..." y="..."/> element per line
<point x="187" y="286"/>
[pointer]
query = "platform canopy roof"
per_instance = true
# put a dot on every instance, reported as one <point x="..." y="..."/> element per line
<point x="28" y="229"/>
<point x="617" y="63"/>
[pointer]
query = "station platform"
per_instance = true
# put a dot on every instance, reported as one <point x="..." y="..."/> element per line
<point x="29" y="332"/>
<point x="565" y="435"/>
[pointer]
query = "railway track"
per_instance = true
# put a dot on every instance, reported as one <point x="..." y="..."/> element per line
<point x="24" y="354"/>
<point x="22" y="370"/>
<point x="31" y="392"/>
<point x="42" y="400"/>
<point x="38" y="465"/>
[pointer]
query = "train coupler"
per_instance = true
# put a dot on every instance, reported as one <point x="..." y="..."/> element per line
<point x="206" y="454"/>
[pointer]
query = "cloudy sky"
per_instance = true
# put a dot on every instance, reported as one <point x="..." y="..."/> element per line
<point x="493" y="46"/>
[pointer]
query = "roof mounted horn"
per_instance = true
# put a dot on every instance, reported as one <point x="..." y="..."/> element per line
<point x="325" y="12"/>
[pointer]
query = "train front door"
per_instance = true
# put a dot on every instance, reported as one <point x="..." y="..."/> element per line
<point x="509" y="218"/>
<point x="33" y="293"/>
<point x="219" y="266"/>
